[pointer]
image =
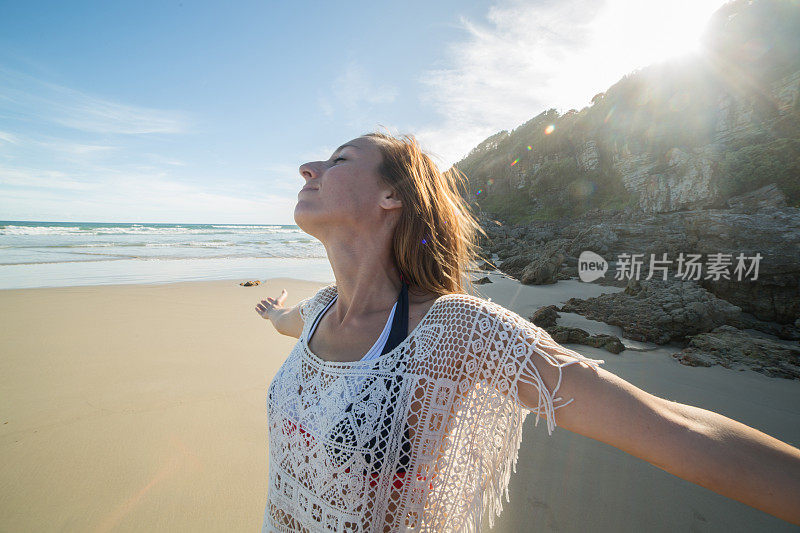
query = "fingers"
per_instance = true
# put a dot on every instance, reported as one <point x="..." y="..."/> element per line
<point x="268" y="303"/>
<point x="262" y="308"/>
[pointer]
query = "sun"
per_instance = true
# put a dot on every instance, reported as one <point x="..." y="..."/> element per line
<point x="652" y="31"/>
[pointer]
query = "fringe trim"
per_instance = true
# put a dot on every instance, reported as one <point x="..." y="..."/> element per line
<point x="497" y="485"/>
<point x="530" y="375"/>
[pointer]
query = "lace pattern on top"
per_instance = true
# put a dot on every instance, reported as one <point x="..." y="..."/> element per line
<point x="336" y="428"/>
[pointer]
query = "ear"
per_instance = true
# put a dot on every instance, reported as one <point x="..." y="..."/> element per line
<point x="390" y="200"/>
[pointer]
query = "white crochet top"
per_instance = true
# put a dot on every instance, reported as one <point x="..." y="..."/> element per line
<point x="423" y="438"/>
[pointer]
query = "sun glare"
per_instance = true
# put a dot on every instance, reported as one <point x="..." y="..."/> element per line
<point x="623" y="36"/>
<point x="651" y="31"/>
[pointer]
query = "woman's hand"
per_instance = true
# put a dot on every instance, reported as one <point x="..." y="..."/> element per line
<point x="287" y="320"/>
<point x="272" y="308"/>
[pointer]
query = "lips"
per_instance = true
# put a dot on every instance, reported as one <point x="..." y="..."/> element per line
<point x="308" y="189"/>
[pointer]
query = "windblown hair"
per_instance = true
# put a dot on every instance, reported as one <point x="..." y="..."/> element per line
<point x="435" y="239"/>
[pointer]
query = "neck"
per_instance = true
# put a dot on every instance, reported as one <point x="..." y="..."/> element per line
<point x="367" y="281"/>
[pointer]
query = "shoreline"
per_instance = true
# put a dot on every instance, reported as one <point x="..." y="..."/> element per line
<point x="157" y="271"/>
<point x="127" y="405"/>
<point x="155" y="284"/>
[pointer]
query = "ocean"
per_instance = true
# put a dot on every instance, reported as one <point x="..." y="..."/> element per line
<point x="62" y="254"/>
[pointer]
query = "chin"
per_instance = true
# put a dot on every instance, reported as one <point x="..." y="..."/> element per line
<point x="298" y="220"/>
<point x="302" y="220"/>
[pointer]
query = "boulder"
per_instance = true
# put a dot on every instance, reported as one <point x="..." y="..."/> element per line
<point x="732" y="348"/>
<point x="542" y="270"/>
<point x="657" y="311"/>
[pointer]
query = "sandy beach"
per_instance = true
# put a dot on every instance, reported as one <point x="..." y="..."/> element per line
<point x="142" y="408"/>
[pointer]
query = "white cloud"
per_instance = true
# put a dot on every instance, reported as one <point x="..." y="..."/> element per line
<point x="353" y="88"/>
<point x="48" y="165"/>
<point x="352" y="95"/>
<point x="9" y="138"/>
<point x="161" y="160"/>
<point x="503" y="73"/>
<point x="78" y="149"/>
<point x="50" y="102"/>
<point x="49" y="146"/>
<point x="156" y="197"/>
<point x="41" y="179"/>
<point x="92" y="114"/>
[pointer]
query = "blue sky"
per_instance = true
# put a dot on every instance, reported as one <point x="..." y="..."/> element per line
<point x="200" y="112"/>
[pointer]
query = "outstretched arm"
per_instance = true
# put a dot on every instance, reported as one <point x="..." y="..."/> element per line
<point x="706" y="448"/>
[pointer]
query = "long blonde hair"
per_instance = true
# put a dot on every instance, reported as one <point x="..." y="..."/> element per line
<point x="436" y="236"/>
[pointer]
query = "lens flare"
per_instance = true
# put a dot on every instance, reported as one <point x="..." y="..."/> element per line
<point x="549" y="129"/>
<point x="530" y="147"/>
<point x="515" y="162"/>
<point x="610" y="113"/>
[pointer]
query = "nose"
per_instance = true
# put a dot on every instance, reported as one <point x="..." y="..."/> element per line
<point x="308" y="171"/>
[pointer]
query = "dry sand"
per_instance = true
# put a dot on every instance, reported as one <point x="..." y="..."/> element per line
<point x="142" y="408"/>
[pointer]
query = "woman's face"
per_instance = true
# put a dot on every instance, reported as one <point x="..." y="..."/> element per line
<point x="344" y="192"/>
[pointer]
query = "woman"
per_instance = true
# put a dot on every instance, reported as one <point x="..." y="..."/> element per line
<point x="419" y="429"/>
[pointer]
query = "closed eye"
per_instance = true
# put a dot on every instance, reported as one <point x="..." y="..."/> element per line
<point x="338" y="158"/>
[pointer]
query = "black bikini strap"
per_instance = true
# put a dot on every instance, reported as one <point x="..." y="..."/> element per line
<point x="399" y="329"/>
